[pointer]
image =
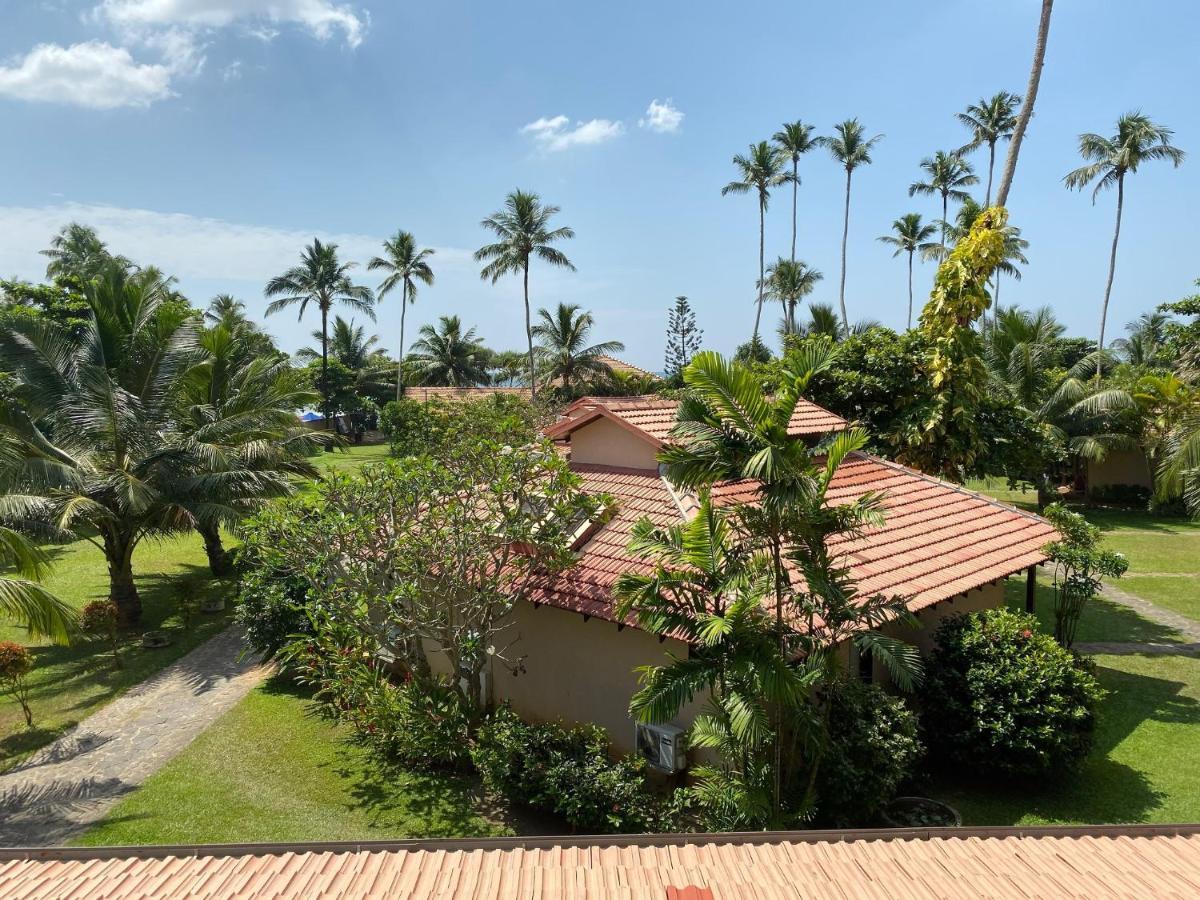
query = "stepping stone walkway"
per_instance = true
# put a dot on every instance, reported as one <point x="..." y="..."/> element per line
<point x="1189" y="628"/>
<point x="62" y="789"/>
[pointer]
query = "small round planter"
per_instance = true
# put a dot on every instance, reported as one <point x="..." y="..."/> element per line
<point x="153" y="640"/>
<point x="920" y="812"/>
<point x="212" y="605"/>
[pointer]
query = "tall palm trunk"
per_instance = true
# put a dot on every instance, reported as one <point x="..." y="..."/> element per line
<point x="996" y="302"/>
<point x="910" y="292"/>
<point x="118" y="553"/>
<point x="529" y="333"/>
<point x="400" y="365"/>
<point x="1035" y="77"/>
<point x="795" y="189"/>
<point x="845" y="237"/>
<point x="218" y="557"/>
<point x="945" y="223"/>
<point x="762" y="237"/>
<point x="1112" y="264"/>
<point x="987" y="198"/>
<point x="325" y="363"/>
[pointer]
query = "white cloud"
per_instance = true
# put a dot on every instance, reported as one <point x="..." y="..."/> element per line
<point x="663" y="117"/>
<point x="232" y="72"/>
<point x="321" y="18"/>
<point x="554" y="134"/>
<point x="92" y="74"/>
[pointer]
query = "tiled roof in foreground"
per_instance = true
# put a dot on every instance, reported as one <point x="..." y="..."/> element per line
<point x="1098" y="863"/>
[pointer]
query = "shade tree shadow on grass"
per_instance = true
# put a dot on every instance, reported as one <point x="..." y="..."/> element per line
<point x="1101" y="620"/>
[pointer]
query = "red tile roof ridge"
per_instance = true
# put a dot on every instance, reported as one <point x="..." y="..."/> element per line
<point x="616" y="470"/>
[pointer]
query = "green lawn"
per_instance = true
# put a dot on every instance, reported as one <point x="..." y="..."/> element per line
<point x="1179" y="593"/>
<point x="1100" y="621"/>
<point x="268" y="770"/>
<point x="69" y="683"/>
<point x="352" y="457"/>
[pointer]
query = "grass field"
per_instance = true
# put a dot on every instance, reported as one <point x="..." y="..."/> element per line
<point x="69" y="683"/>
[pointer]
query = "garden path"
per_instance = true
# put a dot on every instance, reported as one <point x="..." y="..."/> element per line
<point x="1189" y="628"/>
<point x="63" y="788"/>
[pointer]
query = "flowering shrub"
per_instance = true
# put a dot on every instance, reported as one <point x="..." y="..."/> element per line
<point x="568" y="771"/>
<point x="873" y="746"/>
<point x="1001" y="695"/>
<point x="16" y="662"/>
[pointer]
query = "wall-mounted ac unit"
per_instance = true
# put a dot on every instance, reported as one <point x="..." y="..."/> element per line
<point x="662" y="746"/>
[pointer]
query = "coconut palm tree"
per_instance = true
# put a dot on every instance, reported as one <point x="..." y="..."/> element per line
<point x="22" y="599"/>
<point x="1146" y="346"/>
<point x="1031" y="91"/>
<point x="323" y="281"/>
<point x="948" y="175"/>
<point x="1110" y="160"/>
<point x="760" y="171"/>
<point x="405" y="265"/>
<point x="78" y="251"/>
<point x="524" y="232"/>
<point x="912" y="237"/>
<point x="795" y="139"/>
<point x="1020" y="354"/>
<point x="447" y="356"/>
<point x="789" y="281"/>
<point x="850" y="147"/>
<point x="348" y="344"/>
<point x="562" y="346"/>
<point x="990" y="121"/>
<point x="225" y="308"/>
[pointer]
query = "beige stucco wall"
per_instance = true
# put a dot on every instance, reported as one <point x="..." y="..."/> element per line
<point x="580" y="671"/>
<point x="1119" y="467"/>
<point x="605" y="442"/>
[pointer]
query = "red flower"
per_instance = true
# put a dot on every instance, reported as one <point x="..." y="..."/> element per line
<point x="1027" y="633"/>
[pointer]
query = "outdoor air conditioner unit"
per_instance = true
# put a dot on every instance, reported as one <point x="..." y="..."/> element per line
<point x="662" y="746"/>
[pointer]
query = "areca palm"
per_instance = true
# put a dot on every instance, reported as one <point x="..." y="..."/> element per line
<point x="788" y="281"/>
<point x="405" y="265"/>
<point x="852" y="148"/>
<point x="321" y="280"/>
<point x="88" y="448"/>
<point x="760" y="171"/>
<point x="910" y="236"/>
<point x="447" y="356"/>
<point x="990" y="121"/>
<point x="795" y="139"/>
<point x="524" y="233"/>
<point x="562" y="344"/>
<point x="22" y="599"/>
<point x="948" y="175"/>
<point x="1110" y="159"/>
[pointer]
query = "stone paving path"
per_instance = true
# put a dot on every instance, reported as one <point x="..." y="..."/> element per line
<point x="1189" y="628"/>
<point x="65" y="787"/>
<point x="1129" y="648"/>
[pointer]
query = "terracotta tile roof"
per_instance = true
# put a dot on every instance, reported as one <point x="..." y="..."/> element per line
<point x="619" y="365"/>
<point x="1097" y="863"/>
<point x="938" y="540"/>
<point x="453" y="394"/>
<point x="655" y="416"/>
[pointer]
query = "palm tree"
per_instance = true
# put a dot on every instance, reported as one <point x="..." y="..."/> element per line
<point x="323" y="281"/>
<point x="1137" y="140"/>
<point x="948" y="175"/>
<point x="795" y="139"/>
<point x="348" y="344"/>
<point x="852" y="149"/>
<point x="25" y="601"/>
<point x="1146" y="346"/>
<point x="78" y="251"/>
<point x="88" y="447"/>
<point x="446" y="356"/>
<point x="1020" y="354"/>
<point x="990" y="121"/>
<point x="563" y="349"/>
<point x="523" y="229"/>
<point x="405" y="265"/>
<point x="910" y="237"/>
<point x="1035" y="78"/>
<point x="788" y="281"/>
<point x="225" y="308"/>
<point x="760" y="171"/>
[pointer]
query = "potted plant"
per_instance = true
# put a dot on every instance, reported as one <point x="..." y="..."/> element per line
<point x="152" y="640"/>
<point x="920" y="812"/>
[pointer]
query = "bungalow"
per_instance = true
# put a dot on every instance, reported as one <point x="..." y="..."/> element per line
<point x="943" y="548"/>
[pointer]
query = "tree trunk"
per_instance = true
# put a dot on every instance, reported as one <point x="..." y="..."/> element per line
<point x="795" y="189"/>
<point x="529" y="335"/>
<point x="1035" y="77"/>
<point x="218" y="557"/>
<point x="910" y="292"/>
<point x="987" y="199"/>
<point x="945" y="223"/>
<point x="996" y="302"/>
<point x="118" y="553"/>
<point x="325" y="363"/>
<point x="762" y="233"/>
<point x="400" y="365"/>
<point x="845" y="237"/>
<point x="1112" y="264"/>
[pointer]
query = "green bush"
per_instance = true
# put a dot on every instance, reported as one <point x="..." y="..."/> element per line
<point x="270" y="605"/>
<point x="1002" y="696"/>
<point x="414" y="428"/>
<point x="873" y="746"/>
<point x="420" y="723"/>
<point x="568" y="771"/>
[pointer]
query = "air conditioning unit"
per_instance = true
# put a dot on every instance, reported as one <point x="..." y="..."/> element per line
<point x="662" y="746"/>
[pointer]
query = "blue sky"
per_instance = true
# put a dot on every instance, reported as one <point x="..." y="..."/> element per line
<point x="216" y="137"/>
